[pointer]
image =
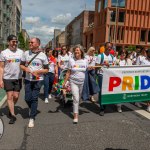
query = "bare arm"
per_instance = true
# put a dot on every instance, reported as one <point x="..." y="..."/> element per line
<point x="67" y="77"/>
<point x="1" y="74"/>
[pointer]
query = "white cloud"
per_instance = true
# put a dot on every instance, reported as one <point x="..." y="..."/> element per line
<point x="62" y="18"/>
<point x="32" y="20"/>
<point x="45" y="33"/>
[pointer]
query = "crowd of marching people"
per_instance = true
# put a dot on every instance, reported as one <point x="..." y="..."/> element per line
<point x="44" y="68"/>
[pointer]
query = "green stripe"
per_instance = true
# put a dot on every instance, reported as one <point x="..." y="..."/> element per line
<point x="125" y="97"/>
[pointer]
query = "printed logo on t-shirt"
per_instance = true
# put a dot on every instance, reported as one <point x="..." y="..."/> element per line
<point x="13" y="60"/>
<point x="34" y="64"/>
<point x="79" y="66"/>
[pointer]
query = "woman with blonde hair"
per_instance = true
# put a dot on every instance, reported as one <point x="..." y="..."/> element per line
<point x="91" y="59"/>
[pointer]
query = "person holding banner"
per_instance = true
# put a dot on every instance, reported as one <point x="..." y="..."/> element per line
<point x="146" y="61"/>
<point x="91" y="59"/>
<point x="105" y="60"/>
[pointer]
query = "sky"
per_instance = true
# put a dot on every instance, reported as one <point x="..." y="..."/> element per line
<point x="41" y="17"/>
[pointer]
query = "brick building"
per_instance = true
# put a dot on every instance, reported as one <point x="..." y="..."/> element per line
<point x="76" y="28"/>
<point x="122" y="22"/>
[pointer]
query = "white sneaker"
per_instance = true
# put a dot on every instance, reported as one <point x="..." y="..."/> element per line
<point x="46" y="100"/>
<point x="92" y="99"/>
<point x="119" y="109"/>
<point x="31" y="123"/>
<point x="138" y="105"/>
<point x="148" y="109"/>
<point x="50" y="96"/>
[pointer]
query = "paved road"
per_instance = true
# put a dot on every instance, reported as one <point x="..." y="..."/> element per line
<point x="54" y="129"/>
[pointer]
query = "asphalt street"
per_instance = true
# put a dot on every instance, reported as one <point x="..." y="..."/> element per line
<point x="54" y="129"/>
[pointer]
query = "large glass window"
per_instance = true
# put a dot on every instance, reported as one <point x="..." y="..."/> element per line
<point x="118" y="3"/>
<point x="105" y="3"/>
<point x="121" y="16"/>
<point x="149" y="36"/>
<point x="113" y="16"/>
<point x="99" y="6"/>
<point x="143" y="35"/>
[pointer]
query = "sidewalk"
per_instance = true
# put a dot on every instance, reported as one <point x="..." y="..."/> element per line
<point x="2" y="97"/>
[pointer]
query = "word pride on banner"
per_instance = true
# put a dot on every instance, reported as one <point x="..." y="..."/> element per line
<point x="126" y="84"/>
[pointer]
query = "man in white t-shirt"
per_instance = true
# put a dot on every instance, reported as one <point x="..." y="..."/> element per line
<point x="10" y="74"/>
<point x="105" y="59"/>
<point x="34" y="75"/>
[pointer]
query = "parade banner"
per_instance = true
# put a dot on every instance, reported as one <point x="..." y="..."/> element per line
<point x="126" y="84"/>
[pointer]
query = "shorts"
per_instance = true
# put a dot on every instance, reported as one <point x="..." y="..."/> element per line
<point x="12" y="85"/>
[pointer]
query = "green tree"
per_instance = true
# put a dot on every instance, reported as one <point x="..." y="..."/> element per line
<point x="27" y="45"/>
<point x="22" y="44"/>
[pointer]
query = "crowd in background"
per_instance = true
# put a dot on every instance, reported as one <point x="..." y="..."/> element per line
<point x="83" y="67"/>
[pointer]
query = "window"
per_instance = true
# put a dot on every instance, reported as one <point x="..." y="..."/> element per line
<point x="118" y="3"/>
<point x="149" y="36"/>
<point x="121" y="16"/>
<point x="143" y="35"/>
<point x="113" y="16"/>
<point x="105" y="3"/>
<point x="99" y="6"/>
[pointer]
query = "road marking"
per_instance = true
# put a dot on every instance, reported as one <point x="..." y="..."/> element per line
<point x="138" y="110"/>
<point x="3" y="101"/>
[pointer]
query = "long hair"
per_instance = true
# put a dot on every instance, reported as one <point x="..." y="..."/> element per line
<point x="90" y="49"/>
<point x="81" y="49"/>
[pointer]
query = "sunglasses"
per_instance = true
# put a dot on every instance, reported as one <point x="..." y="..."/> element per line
<point x="14" y="41"/>
<point x="31" y="42"/>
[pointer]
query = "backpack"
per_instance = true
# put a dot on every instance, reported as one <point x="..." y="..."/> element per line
<point x="102" y="57"/>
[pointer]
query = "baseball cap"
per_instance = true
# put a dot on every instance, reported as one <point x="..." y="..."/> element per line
<point x="11" y="37"/>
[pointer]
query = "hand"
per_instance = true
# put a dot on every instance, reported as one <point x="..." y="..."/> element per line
<point x="91" y="68"/>
<point x="35" y="73"/>
<point x="1" y="84"/>
<point x="56" y="75"/>
<point x="27" y="70"/>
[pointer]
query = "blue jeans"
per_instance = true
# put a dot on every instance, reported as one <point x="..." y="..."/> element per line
<point x="48" y="83"/>
<point x="32" y="90"/>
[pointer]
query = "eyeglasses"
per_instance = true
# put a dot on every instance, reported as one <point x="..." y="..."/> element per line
<point x="14" y="41"/>
<point x="31" y="42"/>
<point x="64" y="49"/>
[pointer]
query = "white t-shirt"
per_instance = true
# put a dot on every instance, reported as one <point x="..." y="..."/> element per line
<point x="78" y="68"/>
<point x="145" y="61"/>
<point x="52" y="64"/>
<point x="36" y="64"/>
<point x="140" y="59"/>
<point x="122" y="62"/>
<point x="11" y="61"/>
<point x="63" y="60"/>
<point x="91" y="60"/>
<point x="107" y="60"/>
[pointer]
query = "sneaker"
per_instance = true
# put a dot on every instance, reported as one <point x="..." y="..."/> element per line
<point x="50" y="96"/>
<point x="12" y="119"/>
<point x="101" y="113"/>
<point x="75" y="121"/>
<point x="46" y="100"/>
<point x="119" y="109"/>
<point x="138" y="105"/>
<point x="148" y="109"/>
<point x="31" y="123"/>
<point x="92" y="99"/>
